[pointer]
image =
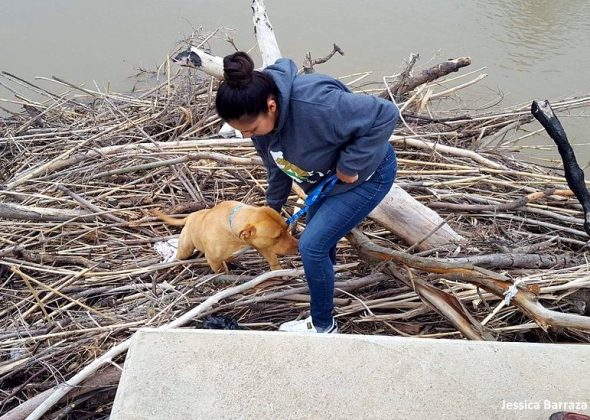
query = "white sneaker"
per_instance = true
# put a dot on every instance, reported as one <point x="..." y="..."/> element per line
<point x="306" y="326"/>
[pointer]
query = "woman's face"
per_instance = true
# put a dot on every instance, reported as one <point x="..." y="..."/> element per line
<point x="260" y="125"/>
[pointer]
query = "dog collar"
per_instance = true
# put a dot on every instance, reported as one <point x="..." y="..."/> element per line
<point x="232" y="214"/>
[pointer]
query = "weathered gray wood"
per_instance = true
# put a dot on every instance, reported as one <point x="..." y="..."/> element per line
<point x="20" y="212"/>
<point x="574" y="175"/>
<point x="265" y="34"/>
<point x="201" y="60"/>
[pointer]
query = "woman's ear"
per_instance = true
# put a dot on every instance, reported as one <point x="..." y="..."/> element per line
<point x="271" y="104"/>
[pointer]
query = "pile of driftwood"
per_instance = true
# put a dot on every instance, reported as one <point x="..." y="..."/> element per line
<point x="80" y="171"/>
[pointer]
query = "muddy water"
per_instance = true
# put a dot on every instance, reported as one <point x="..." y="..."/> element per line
<point x="531" y="49"/>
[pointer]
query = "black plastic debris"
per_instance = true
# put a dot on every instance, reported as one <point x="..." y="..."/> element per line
<point x="219" y="322"/>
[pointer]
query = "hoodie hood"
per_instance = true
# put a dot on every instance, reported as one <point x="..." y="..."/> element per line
<point x="322" y="127"/>
<point x="283" y="72"/>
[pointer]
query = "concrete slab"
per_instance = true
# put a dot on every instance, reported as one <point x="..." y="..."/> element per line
<point x="206" y="374"/>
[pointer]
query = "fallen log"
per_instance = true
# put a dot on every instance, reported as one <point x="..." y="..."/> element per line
<point x="413" y="222"/>
<point x="199" y="59"/>
<point x="265" y="34"/>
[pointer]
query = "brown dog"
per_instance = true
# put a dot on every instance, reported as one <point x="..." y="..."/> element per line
<point x="229" y="227"/>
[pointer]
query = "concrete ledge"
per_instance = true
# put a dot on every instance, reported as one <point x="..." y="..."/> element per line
<point x="207" y="374"/>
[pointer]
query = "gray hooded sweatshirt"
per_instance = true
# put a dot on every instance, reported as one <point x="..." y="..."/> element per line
<point x="321" y="126"/>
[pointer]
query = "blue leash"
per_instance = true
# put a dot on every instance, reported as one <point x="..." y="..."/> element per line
<point x="318" y="193"/>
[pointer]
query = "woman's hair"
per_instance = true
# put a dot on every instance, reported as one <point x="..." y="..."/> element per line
<point x="244" y="91"/>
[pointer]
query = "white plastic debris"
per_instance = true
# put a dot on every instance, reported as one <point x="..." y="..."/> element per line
<point x="17" y="353"/>
<point x="167" y="249"/>
<point x="512" y="291"/>
<point x="227" y="132"/>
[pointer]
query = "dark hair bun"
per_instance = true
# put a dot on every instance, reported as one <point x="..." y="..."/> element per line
<point x="237" y="69"/>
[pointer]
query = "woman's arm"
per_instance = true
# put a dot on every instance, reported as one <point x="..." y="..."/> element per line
<point x="365" y="123"/>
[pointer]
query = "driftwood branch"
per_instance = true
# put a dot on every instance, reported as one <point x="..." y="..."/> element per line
<point x="520" y="260"/>
<point x="512" y="205"/>
<point x="410" y="83"/>
<point x="265" y="34"/>
<point x="218" y="157"/>
<point x="174" y="146"/>
<point x="199" y="59"/>
<point x="494" y="283"/>
<point x="89" y="205"/>
<point x="445" y="304"/>
<point x="41" y="169"/>
<point x="573" y="173"/>
<point x="44" y="258"/>
<point x="309" y="62"/>
<point x="444" y="149"/>
<point x="18" y="211"/>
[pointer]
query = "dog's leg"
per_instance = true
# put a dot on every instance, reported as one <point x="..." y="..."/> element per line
<point x="216" y="265"/>
<point x="185" y="247"/>
<point x="272" y="259"/>
<point x="225" y="267"/>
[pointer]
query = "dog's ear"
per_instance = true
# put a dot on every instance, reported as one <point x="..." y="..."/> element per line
<point x="248" y="232"/>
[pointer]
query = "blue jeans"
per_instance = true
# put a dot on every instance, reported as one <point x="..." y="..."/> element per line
<point x="327" y="223"/>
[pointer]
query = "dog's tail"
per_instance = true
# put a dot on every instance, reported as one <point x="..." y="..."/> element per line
<point x="169" y="219"/>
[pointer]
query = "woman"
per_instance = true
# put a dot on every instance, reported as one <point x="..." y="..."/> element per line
<point x="306" y="128"/>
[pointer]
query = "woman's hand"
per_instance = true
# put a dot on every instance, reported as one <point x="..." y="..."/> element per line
<point x="348" y="179"/>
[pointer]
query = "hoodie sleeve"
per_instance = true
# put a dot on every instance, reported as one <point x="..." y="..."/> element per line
<point x="366" y="122"/>
<point x="279" y="183"/>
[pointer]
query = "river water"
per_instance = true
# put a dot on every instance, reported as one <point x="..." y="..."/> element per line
<point x="530" y="49"/>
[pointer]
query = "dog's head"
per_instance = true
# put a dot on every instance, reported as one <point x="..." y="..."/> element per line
<point x="267" y="230"/>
